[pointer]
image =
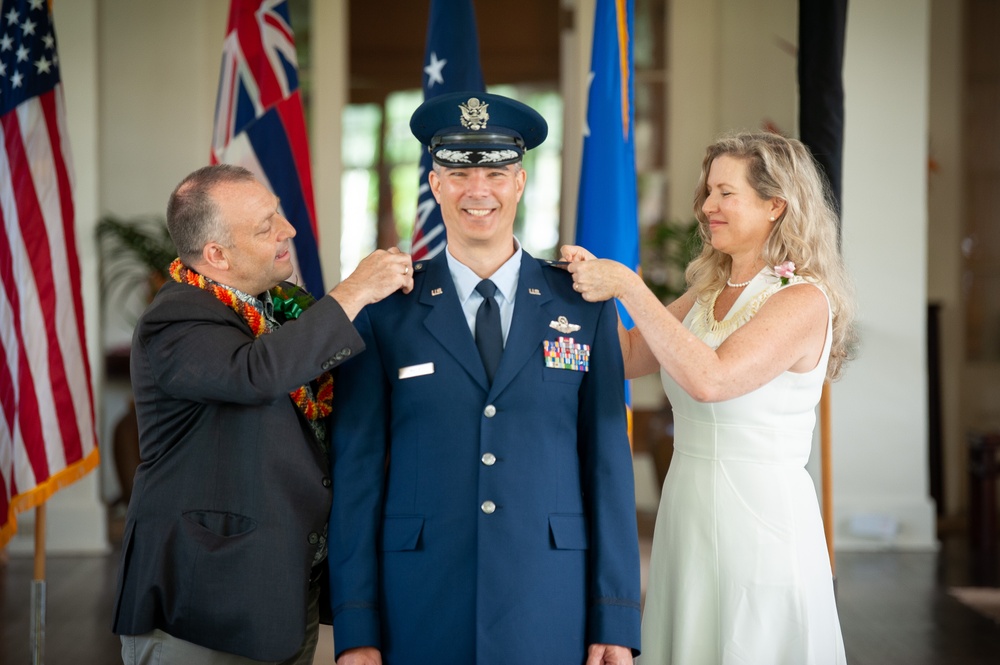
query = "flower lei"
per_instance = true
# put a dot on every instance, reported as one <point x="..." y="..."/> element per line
<point x="707" y="324"/>
<point x="289" y="304"/>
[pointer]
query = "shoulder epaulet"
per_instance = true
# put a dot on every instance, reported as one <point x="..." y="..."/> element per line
<point x="555" y="264"/>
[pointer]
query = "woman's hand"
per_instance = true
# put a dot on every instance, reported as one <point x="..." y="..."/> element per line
<point x="596" y="279"/>
<point x="573" y="253"/>
<point x="593" y="278"/>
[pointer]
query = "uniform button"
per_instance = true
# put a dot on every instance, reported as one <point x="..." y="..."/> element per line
<point x="490" y="411"/>
<point x="488" y="507"/>
<point x="345" y="352"/>
<point x="313" y="538"/>
<point x="489" y="459"/>
<point x="327" y="482"/>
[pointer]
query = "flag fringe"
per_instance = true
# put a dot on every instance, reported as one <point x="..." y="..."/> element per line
<point x="44" y="491"/>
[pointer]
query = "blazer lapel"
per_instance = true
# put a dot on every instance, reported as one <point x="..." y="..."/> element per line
<point x="446" y="320"/>
<point x="529" y="325"/>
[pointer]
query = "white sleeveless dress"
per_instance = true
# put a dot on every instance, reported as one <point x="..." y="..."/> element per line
<point x="739" y="571"/>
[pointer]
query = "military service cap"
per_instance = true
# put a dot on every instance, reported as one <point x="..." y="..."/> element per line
<point x="464" y="129"/>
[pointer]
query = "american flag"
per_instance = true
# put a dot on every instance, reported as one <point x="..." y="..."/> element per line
<point x="259" y="121"/>
<point x="451" y="64"/>
<point x="47" y="437"/>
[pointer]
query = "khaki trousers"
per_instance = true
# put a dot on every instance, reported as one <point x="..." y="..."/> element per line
<point x="160" y="648"/>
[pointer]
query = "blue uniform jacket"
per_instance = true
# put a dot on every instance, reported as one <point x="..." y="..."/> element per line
<point x="479" y="524"/>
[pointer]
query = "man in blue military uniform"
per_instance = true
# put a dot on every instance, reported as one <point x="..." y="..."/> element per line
<point x="484" y="509"/>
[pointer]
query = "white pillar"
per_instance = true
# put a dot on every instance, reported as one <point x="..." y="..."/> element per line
<point x="880" y="407"/>
<point x="330" y="78"/>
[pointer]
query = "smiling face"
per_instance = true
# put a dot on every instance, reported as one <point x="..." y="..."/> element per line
<point x="739" y="220"/>
<point x="258" y="255"/>
<point x="478" y="205"/>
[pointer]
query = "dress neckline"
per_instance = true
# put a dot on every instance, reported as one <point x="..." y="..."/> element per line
<point x="743" y="309"/>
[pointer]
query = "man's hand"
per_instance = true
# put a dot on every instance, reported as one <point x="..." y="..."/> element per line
<point x="378" y="275"/>
<point x="606" y="654"/>
<point x="361" y="656"/>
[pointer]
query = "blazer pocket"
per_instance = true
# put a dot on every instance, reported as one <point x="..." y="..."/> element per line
<point x="401" y="533"/>
<point x="225" y="525"/>
<point x="569" y="532"/>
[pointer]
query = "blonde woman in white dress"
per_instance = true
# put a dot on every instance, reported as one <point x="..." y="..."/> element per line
<point x="739" y="572"/>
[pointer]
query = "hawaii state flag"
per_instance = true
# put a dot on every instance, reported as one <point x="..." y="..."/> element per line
<point x="260" y="124"/>
<point x="451" y="64"/>
<point x="47" y="437"/>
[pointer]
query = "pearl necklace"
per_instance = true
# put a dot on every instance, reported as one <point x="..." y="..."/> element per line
<point x="740" y="285"/>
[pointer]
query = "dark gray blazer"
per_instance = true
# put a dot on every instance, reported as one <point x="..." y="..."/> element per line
<point x="233" y="491"/>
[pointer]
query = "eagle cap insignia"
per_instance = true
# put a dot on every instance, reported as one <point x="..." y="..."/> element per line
<point x="474" y="114"/>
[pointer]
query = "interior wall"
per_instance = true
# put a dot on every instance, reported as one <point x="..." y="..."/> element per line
<point x="757" y="78"/>
<point x="157" y="103"/>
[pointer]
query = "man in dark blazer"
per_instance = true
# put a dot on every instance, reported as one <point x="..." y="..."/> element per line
<point x="484" y="509"/>
<point x="223" y="556"/>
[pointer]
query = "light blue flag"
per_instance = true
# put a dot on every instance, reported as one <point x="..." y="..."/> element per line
<point x="607" y="220"/>
<point x="607" y="217"/>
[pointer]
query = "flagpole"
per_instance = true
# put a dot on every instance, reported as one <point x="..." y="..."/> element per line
<point x="38" y="591"/>
<point x="826" y="470"/>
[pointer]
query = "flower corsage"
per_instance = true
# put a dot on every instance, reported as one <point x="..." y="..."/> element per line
<point x="785" y="271"/>
<point x="289" y="302"/>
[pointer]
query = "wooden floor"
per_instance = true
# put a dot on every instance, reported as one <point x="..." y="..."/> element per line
<point x="894" y="609"/>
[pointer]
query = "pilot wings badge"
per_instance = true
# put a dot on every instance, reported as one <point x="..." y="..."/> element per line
<point x="563" y="325"/>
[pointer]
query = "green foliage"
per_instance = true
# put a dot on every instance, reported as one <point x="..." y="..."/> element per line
<point x="666" y="249"/>
<point x="134" y="252"/>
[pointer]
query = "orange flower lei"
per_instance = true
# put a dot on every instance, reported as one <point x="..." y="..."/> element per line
<point x="313" y="408"/>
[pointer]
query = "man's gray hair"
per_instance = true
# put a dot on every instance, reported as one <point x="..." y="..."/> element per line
<point x="193" y="215"/>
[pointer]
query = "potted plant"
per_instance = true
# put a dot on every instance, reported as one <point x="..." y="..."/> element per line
<point x="666" y="249"/>
<point x="132" y="252"/>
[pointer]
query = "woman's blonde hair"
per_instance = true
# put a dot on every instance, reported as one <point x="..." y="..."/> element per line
<point x="806" y="232"/>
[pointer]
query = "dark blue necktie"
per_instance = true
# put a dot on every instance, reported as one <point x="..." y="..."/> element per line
<point x="489" y="337"/>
